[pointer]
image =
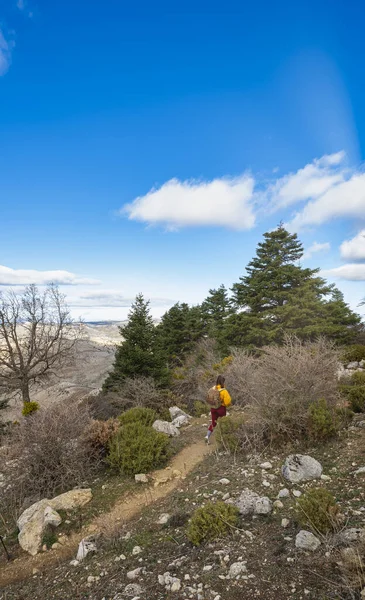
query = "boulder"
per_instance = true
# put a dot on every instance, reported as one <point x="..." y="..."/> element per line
<point x="32" y="525"/>
<point x="34" y="521"/>
<point x="352" y="535"/>
<point x="85" y="547"/>
<point x="263" y="506"/>
<point x="305" y="540"/>
<point x="166" y="427"/>
<point x="353" y="365"/>
<point x="237" y="569"/>
<point x="175" y="412"/>
<point x="247" y="501"/>
<point x="301" y="467"/>
<point x="284" y="493"/>
<point x="141" y="478"/>
<point x="181" y="420"/>
<point x="72" y="499"/>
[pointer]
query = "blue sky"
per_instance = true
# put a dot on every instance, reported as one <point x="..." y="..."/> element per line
<point x="148" y="146"/>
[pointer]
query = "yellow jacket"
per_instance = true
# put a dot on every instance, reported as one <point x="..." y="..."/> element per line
<point x="225" y="397"/>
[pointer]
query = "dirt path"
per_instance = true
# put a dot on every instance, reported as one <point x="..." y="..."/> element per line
<point x="164" y="482"/>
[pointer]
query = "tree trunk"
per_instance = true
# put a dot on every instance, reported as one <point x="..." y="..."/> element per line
<point x="25" y="392"/>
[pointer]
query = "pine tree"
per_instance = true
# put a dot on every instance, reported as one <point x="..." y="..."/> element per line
<point x="216" y="309"/>
<point x="273" y="274"/>
<point x="278" y="297"/>
<point x="181" y="326"/>
<point x="136" y="355"/>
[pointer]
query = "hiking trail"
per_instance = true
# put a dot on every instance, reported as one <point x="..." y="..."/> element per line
<point x="126" y="507"/>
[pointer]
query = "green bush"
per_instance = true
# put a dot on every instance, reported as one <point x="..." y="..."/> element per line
<point x="356" y="397"/>
<point x="353" y="353"/>
<point x="358" y="378"/>
<point x="136" y="448"/>
<point x="29" y="408"/>
<point x="318" y="510"/>
<point x="212" y="521"/>
<point x="200" y="408"/>
<point x="145" y="416"/>
<point x="228" y="433"/>
<point x="323" y="422"/>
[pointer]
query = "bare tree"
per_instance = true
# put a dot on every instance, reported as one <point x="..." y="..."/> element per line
<point x="37" y="335"/>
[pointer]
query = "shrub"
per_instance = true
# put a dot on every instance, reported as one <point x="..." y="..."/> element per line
<point x="282" y="384"/>
<point x="354" y="353"/>
<point x="358" y="378"/>
<point x="318" y="510"/>
<point x="200" y="408"/>
<point x="145" y="416"/>
<point x="228" y="433"/>
<point x="29" y="408"/>
<point x="356" y="397"/>
<point x="47" y="453"/>
<point x="212" y="521"/>
<point x="99" y="434"/>
<point x="323" y="420"/>
<point x="136" y="448"/>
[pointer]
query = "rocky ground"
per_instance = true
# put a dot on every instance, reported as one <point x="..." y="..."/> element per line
<point x="150" y="558"/>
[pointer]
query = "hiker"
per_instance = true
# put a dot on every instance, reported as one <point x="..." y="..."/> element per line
<point x="218" y="399"/>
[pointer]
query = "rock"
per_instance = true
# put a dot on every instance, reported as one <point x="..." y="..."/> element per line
<point x="180" y="421"/>
<point x="266" y="465"/>
<point x="360" y="471"/>
<point x="325" y="478"/>
<point x="301" y="467"/>
<point x="163" y="519"/>
<point x="297" y="493"/>
<point x="141" y="478"/>
<point x="132" y="590"/>
<point x="305" y="540"/>
<point x="136" y="550"/>
<point x="134" y="574"/>
<point x="175" y="412"/>
<point x="263" y="506"/>
<point x="176" y="585"/>
<point x="166" y="427"/>
<point x="224" y="481"/>
<point x="236" y="569"/>
<point x="278" y="504"/>
<point x="352" y="534"/>
<point x="285" y="523"/>
<point x="226" y="496"/>
<point x="246" y="502"/>
<point x="362" y="364"/>
<point x="72" y="499"/>
<point x="85" y="547"/>
<point x="74" y="563"/>
<point x="284" y="493"/>
<point x="33" y="523"/>
<point x="353" y="365"/>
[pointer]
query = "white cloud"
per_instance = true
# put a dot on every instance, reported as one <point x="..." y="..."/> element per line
<point x="221" y="202"/>
<point x="309" y="182"/>
<point x="5" y="54"/>
<point x="316" y="247"/>
<point x="346" y="199"/>
<point x="354" y="249"/>
<point x="27" y="276"/>
<point x="350" y="272"/>
<point x="108" y="299"/>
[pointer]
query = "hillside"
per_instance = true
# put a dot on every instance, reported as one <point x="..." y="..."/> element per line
<point x="85" y="373"/>
<point x="143" y="551"/>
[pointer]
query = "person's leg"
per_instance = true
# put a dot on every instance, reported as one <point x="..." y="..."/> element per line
<point x="213" y="412"/>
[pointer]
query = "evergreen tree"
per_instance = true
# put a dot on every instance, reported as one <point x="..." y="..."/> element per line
<point x="216" y="309"/>
<point x="278" y="296"/>
<point x="179" y="329"/>
<point x="273" y="274"/>
<point x="136" y="355"/>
